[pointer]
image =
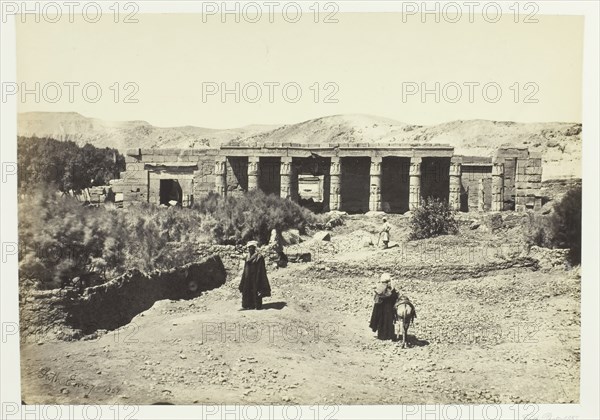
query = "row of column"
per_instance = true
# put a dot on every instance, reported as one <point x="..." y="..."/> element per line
<point x="289" y="182"/>
<point x="414" y="198"/>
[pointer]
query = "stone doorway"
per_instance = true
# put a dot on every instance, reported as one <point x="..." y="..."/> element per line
<point x="170" y="192"/>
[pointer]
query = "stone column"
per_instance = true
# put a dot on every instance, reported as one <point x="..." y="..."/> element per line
<point x="454" y="196"/>
<point x="414" y="199"/>
<point x="480" y="196"/>
<point x="294" y="184"/>
<point x="285" y="172"/>
<point x="253" y="172"/>
<point x="375" y="190"/>
<point x="335" y="175"/>
<point x="221" y="175"/>
<point x="497" y="186"/>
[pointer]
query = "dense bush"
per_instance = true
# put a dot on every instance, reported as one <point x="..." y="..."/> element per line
<point x="253" y="215"/>
<point x="561" y="228"/>
<point x="60" y="239"/>
<point x="433" y="218"/>
<point x="65" y="164"/>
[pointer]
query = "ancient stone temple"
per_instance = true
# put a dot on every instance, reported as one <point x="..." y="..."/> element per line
<point x="349" y="177"/>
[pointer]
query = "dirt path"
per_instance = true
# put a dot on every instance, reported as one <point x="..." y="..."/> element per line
<point x="474" y="341"/>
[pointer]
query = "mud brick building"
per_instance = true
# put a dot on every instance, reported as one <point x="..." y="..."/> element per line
<point x="352" y="177"/>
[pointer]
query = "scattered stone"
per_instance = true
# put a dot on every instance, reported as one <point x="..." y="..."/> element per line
<point x="291" y="236"/>
<point x="322" y="236"/>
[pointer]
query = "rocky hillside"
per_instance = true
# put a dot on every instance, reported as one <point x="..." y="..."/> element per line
<point x="126" y="134"/>
<point x="559" y="143"/>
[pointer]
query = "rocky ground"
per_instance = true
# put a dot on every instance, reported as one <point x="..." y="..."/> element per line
<point x="495" y="324"/>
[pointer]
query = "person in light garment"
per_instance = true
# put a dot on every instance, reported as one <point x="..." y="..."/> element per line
<point x="254" y="285"/>
<point x="384" y="234"/>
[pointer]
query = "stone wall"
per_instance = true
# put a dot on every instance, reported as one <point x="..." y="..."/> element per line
<point x="145" y="168"/>
<point x="528" y="181"/>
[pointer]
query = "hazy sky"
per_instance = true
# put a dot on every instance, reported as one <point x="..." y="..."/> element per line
<point x="369" y="59"/>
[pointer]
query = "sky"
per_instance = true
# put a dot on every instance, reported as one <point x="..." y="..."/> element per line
<point x="170" y="69"/>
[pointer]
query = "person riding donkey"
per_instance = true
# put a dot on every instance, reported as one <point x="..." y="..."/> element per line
<point x="389" y="307"/>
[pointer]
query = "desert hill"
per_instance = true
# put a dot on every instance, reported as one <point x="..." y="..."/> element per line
<point x="558" y="142"/>
<point x="123" y="135"/>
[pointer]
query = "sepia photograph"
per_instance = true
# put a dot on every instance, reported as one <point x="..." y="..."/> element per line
<point x="300" y="210"/>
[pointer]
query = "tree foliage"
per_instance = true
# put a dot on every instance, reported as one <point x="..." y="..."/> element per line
<point x="65" y="164"/>
<point x="60" y="239"/>
<point x="433" y="218"/>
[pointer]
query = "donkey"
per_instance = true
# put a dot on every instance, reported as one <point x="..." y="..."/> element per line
<point x="405" y="314"/>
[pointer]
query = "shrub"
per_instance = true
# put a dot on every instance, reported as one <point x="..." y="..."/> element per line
<point x="562" y="228"/>
<point x="433" y="218"/>
<point x="235" y="219"/>
<point x="61" y="239"/>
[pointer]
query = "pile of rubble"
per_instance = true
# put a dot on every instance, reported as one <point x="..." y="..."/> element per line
<point x="550" y="258"/>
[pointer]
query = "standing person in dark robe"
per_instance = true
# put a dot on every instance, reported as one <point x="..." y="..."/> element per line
<point x="384" y="310"/>
<point x="255" y="284"/>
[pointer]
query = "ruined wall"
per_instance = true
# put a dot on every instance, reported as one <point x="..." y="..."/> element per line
<point x="204" y="176"/>
<point x="193" y="169"/>
<point x="528" y="181"/>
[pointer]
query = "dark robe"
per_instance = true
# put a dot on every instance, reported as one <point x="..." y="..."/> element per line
<point x="255" y="284"/>
<point x="384" y="315"/>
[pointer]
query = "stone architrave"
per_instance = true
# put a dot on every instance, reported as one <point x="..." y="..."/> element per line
<point x="253" y="172"/>
<point x="375" y="189"/>
<point x="414" y="199"/>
